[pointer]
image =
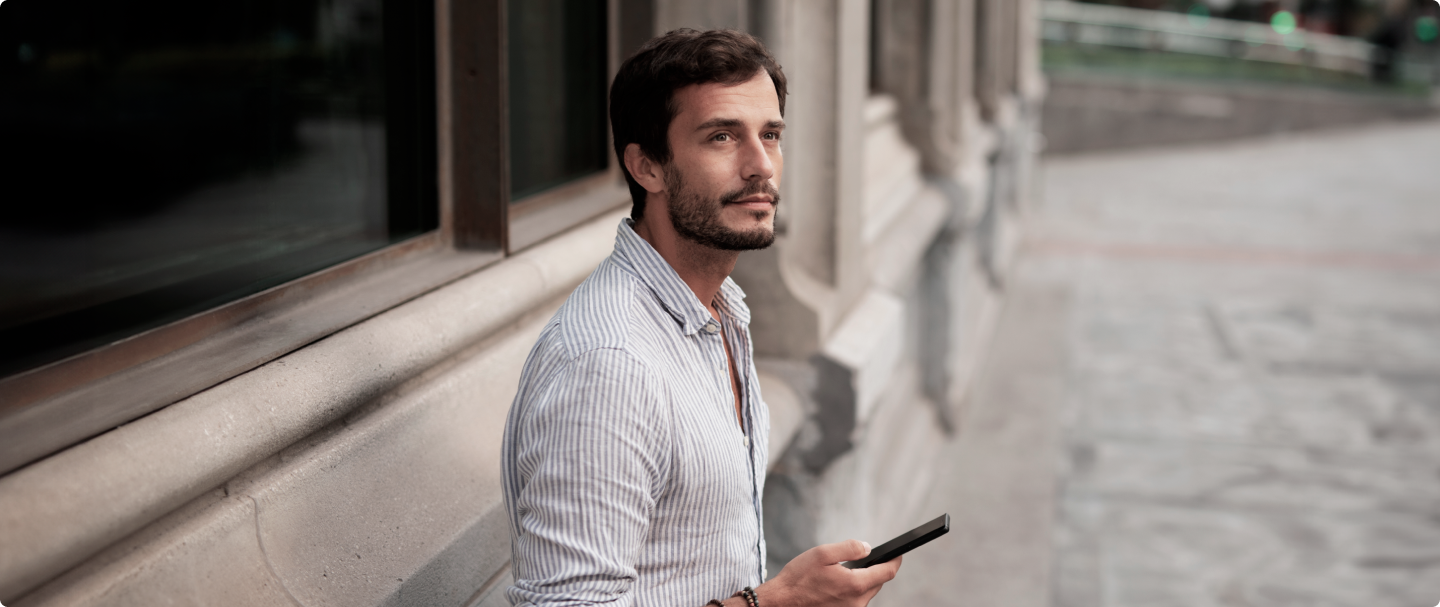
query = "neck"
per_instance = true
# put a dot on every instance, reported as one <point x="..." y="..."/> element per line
<point x="702" y="268"/>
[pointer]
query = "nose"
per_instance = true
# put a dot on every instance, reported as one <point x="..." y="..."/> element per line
<point x="755" y="161"/>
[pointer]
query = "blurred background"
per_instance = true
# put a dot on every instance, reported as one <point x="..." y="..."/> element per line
<point x="1219" y="359"/>
<point x="1154" y="72"/>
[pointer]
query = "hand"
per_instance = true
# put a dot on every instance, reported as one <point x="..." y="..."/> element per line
<point x="816" y="578"/>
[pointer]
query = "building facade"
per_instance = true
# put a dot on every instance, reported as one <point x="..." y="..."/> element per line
<point x="333" y="439"/>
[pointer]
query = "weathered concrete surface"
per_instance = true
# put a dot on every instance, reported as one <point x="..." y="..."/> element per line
<point x="399" y="503"/>
<point x="1242" y="375"/>
<point x="1253" y="415"/>
<point x="58" y="512"/>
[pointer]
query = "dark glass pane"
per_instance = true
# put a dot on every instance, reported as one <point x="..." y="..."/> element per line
<point x="169" y="156"/>
<point x="557" y="92"/>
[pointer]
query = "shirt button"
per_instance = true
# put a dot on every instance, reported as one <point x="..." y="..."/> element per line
<point x="711" y="327"/>
<point x="746" y="441"/>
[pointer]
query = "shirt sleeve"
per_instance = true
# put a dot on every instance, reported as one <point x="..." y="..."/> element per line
<point x="590" y="458"/>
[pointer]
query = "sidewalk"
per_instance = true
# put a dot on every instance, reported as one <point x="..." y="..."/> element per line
<point x="1216" y="383"/>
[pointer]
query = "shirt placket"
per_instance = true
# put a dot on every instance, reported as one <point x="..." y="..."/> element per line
<point x="741" y="350"/>
<point x="715" y="334"/>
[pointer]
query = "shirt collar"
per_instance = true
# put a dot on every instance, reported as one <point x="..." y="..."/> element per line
<point x="673" y="293"/>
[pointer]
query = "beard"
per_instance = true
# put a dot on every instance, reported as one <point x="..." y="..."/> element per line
<point x="697" y="217"/>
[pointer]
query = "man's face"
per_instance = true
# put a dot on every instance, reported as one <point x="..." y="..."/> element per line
<point x="723" y="178"/>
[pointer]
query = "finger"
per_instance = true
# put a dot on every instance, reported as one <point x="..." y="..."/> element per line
<point x="875" y="575"/>
<point x="847" y="550"/>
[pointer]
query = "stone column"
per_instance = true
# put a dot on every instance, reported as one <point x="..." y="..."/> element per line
<point x="822" y="44"/>
<point x="804" y="289"/>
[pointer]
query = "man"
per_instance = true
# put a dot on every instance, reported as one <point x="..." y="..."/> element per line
<point x="635" y="451"/>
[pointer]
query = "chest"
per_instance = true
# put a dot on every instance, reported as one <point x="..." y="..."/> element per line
<point x="713" y="458"/>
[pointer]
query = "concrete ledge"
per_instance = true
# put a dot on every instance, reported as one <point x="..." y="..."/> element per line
<point x="869" y="343"/>
<point x="204" y="551"/>
<point x="60" y="511"/>
<point x="397" y="504"/>
<point x="895" y="260"/>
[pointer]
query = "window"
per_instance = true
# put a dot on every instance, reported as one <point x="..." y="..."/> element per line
<point x="185" y="180"/>
<point x="168" y="157"/>
<point x="558" y="68"/>
<point x="561" y="56"/>
<point x="195" y="189"/>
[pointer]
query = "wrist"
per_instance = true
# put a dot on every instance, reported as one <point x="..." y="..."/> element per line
<point x="770" y="595"/>
<point x="749" y="597"/>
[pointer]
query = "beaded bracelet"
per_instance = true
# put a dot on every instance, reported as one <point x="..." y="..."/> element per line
<point x="750" y="596"/>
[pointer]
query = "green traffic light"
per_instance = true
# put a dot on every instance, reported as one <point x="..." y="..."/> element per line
<point x="1427" y="29"/>
<point x="1283" y="22"/>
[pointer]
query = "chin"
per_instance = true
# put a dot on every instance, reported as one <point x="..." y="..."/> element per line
<point x="756" y="226"/>
<point x="745" y="239"/>
<point x="749" y="220"/>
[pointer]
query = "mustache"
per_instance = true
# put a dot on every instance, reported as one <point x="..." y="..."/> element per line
<point x="757" y="187"/>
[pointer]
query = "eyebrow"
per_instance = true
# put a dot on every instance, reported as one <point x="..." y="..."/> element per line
<point x="732" y="123"/>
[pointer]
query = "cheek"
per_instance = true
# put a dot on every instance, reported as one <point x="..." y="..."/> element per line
<point x="706" y="176"/>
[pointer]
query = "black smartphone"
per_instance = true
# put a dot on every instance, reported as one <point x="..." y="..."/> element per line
<point x="907" y="541"/>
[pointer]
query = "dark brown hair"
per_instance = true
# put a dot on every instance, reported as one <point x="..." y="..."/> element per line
<point x="642" y="99"/>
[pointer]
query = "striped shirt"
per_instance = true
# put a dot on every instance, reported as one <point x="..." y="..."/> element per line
<point x="627" y="477"/>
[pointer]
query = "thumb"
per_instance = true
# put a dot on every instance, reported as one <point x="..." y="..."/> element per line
<point x="847" y="550"/>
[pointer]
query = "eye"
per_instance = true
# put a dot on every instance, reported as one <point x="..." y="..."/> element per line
<point x="772" y="135"/>
<point x="721" y="137"/>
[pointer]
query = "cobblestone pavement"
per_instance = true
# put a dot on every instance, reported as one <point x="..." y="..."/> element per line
<point x="1251" y="403"/>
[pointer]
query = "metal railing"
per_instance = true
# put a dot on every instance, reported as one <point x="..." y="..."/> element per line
<point x="1064" y="21"/>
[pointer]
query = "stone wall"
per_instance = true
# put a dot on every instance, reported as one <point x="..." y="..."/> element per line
<point x="362" y="469"/>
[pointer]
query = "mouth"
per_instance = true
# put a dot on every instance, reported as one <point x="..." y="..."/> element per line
<point x="754" y="201"/>
<point x="760" y="197"/>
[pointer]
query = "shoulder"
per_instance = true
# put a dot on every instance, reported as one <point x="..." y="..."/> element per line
<point x="604" y="312"/>
<point x="609" y="332"/>
<point x="598" y="388"/>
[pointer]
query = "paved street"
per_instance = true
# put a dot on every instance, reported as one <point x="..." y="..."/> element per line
<point x="1216" y="383"/>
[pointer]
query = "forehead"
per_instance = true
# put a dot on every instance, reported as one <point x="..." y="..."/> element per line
<point x="754" y="97"/>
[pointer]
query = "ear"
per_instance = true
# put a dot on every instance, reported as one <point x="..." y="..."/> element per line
<point x="648" y="173"/>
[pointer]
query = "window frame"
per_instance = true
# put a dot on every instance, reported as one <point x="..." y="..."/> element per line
<point x="52" y="407"/>
<point x="55" y="406"/>
<point x="539" y="216"/>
